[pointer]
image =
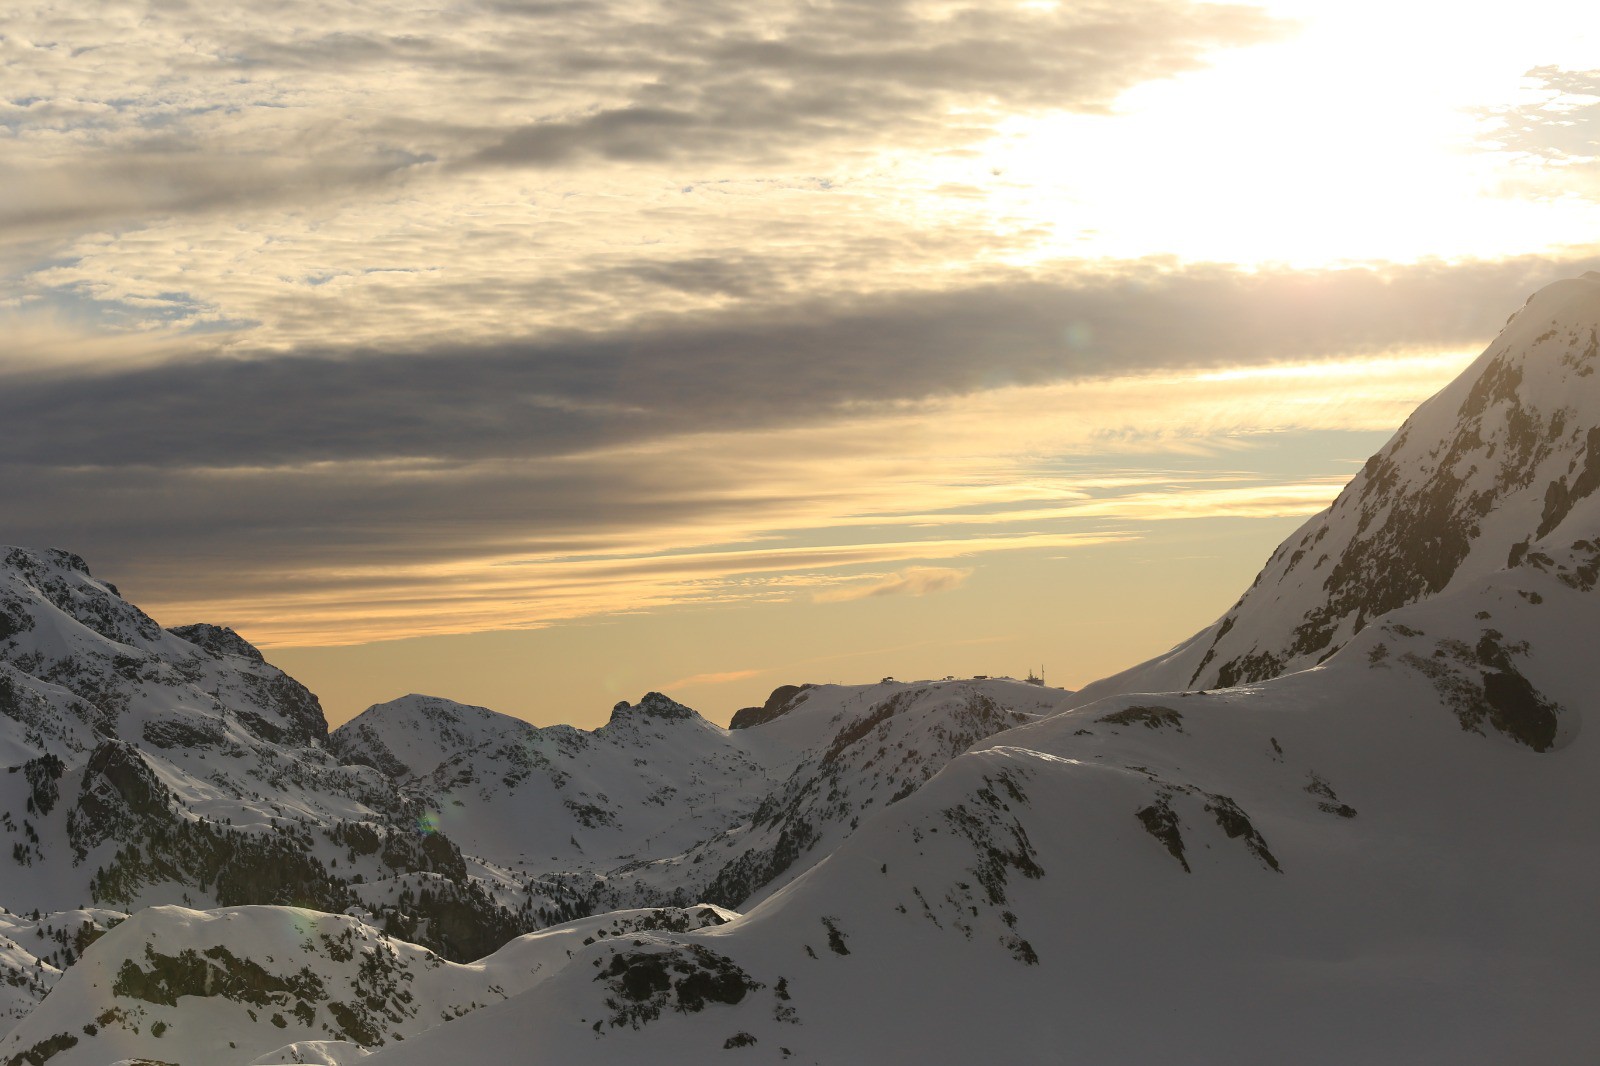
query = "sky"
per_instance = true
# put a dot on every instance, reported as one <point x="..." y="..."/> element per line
<point x="541" y="353"/>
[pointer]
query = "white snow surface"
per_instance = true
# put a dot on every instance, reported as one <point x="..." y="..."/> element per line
<point x="1366" y="874"/>
<point x="314" y="1053"/>
<point x="235" y="985"/>
<point x="658" y="802"/>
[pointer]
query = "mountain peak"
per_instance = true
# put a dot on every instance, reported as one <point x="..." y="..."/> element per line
<point x="218" y="640"/>
<point x="95" y="664"/>
<point x="46" y="558"/>
<point x="652" y="705"/>
<point x="1496" y="460"/>
<point x="1498" y="463"/>
<point x="33" y="577"/>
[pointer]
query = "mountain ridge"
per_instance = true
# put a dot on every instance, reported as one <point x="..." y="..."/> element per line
<point x="1377" y="854"/>
<point x="1497" y="460"/>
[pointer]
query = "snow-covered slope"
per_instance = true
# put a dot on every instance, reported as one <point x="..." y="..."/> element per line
<point x="82" y="664"/>
<point x="1383" y="859"/>
<point x="1382" y="852"/>
<point x="211" y="987"/>
<point x="658" y="775"/>
<point x="36" y="948"/>
<point x="873" y="747"/>
<point x="161" y="767"/>
<point x="660" y="805"/>
<point x="1481" y="474"/>
<point x="82" y="670"/>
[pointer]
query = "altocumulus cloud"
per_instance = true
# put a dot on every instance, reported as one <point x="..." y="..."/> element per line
<point x="145" y="111"/>
<point x="445" y="286"/>
<point x="912" y="581"/>
<point x="264" y="170"/>
<point x="1559" y="135"/>
<point x="762" y="83"/>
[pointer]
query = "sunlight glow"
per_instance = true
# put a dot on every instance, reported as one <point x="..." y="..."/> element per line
<point x="1357" y="139"/>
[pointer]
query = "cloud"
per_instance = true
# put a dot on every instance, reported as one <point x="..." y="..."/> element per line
<point x="779" y="81"/>
<point x="1558" y="137"/>
<point x="328" y="498"/>
<point x="366" y="599"/>
<point x="139" y="182"/>
<point x="631" y="133"/>
<point x="144" y="112"/>
<point x="742" y="370"/>
<point x="912" y="581"/>
<point x="719" y="678"/>
<point x="343" y="321"/>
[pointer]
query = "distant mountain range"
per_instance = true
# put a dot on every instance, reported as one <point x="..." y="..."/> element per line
<point x="1354" y="820"/>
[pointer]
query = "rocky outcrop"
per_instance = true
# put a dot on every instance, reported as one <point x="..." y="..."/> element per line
<point x="784" y="699"/>
<point x="652" y="705"/>
<point x="1485" y="472"/>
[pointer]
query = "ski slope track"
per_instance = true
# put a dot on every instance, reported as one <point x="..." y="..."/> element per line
<point x="1353" y="821"/>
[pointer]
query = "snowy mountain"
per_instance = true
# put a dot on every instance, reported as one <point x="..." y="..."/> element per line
<point x="79" y="665"/>
<point x="660" y="806"/>
<point x="1355" y="863"/>
<point x="657" y="772"/>
<point x="1352" y="821"/>
<point x="1482" y="474"/>
<point x="154" y="767"/>
<point x="1382" y="857"/>
<point x="151" y="766"/>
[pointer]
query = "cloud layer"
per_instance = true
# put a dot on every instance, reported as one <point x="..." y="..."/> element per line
<point x="144" y="111"/>
<point x="541" y="398"/>
<point x="337" y="496"/>
<point x="340" y="321"/>
<point x="1558" y="136"/>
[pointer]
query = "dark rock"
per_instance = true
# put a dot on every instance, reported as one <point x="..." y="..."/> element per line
<point x="1149" y="717"/>
<point x="784" y="699"/>
<point x="653" y="705"/>
<point x="1161" y="822"/>
<point x="218" y="640"/>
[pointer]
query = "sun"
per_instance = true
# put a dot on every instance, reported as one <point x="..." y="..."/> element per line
<point x="1354" y="139"/>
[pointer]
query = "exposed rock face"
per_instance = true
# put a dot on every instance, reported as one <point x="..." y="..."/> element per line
<point x="218" y="640"/>
<point x="784" y="699"/>
<point x="120" y="799"/>
<point x="62" y="579"/>
<point x="652" y="705"/>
